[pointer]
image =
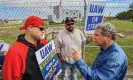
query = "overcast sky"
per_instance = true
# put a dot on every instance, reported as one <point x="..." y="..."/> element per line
<point x="67" y="2"/>
<point x="18" y="11"/>
<point x="21" y="1"/>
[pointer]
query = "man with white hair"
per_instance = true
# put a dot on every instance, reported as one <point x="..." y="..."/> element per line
<point x="111" y="62"/>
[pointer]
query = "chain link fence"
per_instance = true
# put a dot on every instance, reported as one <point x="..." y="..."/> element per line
<point x="13" y="15"/>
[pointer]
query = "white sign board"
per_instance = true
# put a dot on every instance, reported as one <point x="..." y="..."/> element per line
<point x="4" y="47"/>
<point x="94" y="16"/>
<point x="48" y="61"/>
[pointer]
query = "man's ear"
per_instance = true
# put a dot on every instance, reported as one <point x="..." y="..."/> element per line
<point x="29" y="28"/>
<point x="109" y="36"/>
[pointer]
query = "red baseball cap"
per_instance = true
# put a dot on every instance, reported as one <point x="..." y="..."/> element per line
<point x="33" y="21"/>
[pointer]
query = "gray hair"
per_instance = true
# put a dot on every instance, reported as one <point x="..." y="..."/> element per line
<point x="107" y="28"/>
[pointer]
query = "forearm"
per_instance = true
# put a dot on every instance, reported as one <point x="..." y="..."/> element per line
<point x="60" y="57"/>
<point x="83" y="68"/>
<point x="108" y="71"/>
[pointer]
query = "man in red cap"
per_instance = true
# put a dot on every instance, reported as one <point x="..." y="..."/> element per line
<point x="20" y="61"/>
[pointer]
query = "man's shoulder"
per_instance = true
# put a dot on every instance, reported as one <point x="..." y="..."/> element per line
<point x="117" y="52"/>
<point x="18" y="44"/>
<point x="18" y="47"/>
<point x="62" y="32"/>
<point x="117" y="48"/>
<point x="79" y="31"/>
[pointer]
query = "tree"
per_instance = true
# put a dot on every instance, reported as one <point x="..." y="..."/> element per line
<point x="123" y="15"/>
<point x="131" y="6"/>
<point x="126" y="15"/>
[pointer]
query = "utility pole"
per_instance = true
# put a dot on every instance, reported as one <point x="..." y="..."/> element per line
<point x="85" y="8"/>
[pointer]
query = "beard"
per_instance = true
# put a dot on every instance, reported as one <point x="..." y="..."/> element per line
<point x="102" y="45"/>
<point x="70" y="29"/>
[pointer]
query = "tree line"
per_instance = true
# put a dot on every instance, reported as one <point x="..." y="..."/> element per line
<point x="126" y="15"/>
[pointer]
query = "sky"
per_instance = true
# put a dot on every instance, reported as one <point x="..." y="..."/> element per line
<point x="21" y="9"/>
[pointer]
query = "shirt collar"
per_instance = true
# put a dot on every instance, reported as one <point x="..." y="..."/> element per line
<point x="69" y="32"/>
<point x="102" y="50"/>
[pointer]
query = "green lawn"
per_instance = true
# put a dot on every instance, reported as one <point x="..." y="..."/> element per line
<point x="121" y="25"/>
<point x="9" y="39"/>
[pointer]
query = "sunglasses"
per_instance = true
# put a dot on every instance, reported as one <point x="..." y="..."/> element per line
<point x="70" y="24"/>
<point x="41" y="29"/>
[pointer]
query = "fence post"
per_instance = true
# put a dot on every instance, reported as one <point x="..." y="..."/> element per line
<point x="85" y="8"/>
<point x="83" y="42"/>
<point x="83" y="49"/>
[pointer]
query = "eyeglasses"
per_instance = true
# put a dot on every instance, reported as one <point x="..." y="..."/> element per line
<point x="96" y="35"/>
<point x="70" y="24"/>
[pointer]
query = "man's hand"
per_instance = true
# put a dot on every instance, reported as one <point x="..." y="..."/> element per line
<point x="76" y="55"/>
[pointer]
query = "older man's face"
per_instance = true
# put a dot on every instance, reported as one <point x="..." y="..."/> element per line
<point x="99" y="38"/>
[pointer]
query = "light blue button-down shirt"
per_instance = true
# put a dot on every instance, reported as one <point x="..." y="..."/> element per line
<point x="110" y="64"/>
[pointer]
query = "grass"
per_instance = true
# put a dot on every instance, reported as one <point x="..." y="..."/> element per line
<point x="10" y="40"/>
<point x="127" y="41"/>
<point x="121" y="25"/>
<point x="9" y="35"/>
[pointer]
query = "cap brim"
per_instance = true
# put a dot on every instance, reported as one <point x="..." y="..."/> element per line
<point x="41" y="26"/>
<point x="70" y="22"/>
<point x="22" y="28"/>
